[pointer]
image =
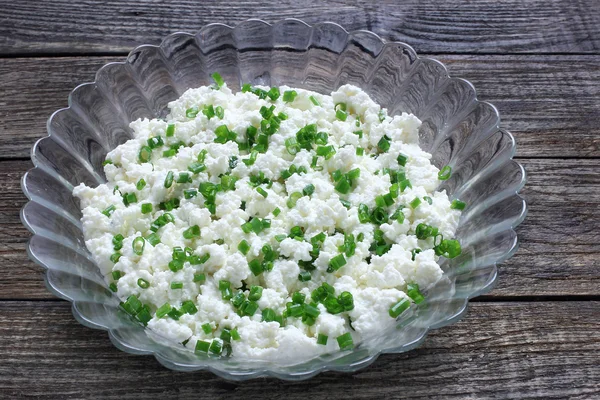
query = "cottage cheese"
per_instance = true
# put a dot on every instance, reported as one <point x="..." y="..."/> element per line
<point x="201" y="314"/>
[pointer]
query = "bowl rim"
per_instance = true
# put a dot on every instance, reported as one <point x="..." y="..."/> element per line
<point x="268" y="372"/>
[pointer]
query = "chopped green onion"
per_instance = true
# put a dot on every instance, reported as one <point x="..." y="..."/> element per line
<point x="255" y="267"/>
<point x="145" y="154"/>
<point x="314" y="100"/>
<point x="343" y="185"/>
<point x="184" y="177"/>
<point x="289" y="96"/>
<point x="218" y="80"/>
<point x="268" y="315"/>
<point x="399" y="308"/>
<point x="192" y="232"/>
<point x="280" y="238"/>
<point x="273" y="93"/>
<point x="402" y="159"/>
<point x="326" y="151"/>
<point x="445" y="173"/>
<point x="223" y="135"/>
<point x="404" y="184"/>
<point x="428" y="199"/>
<point x="360" y="151"/>
<point x="113" y="287"/>
<point x="262" y="192"/>
<point x="384" y="144"/>
<point x="341" y="106"/>
<point x="412" y="290"/>
<point x="219" y="112"/>
<point x="379" y="215"/>
<point x="341" y="115"/>
<point x="138" y="245"/>
<point x="163" y="310"/>
<point x="207" y="328"/>
<point x="189" y="193"/>
<point x="202" y="346"/>
<point x="292" y="146"/>
<point x="414" y="253"/>
<point x="169" y="179"/>
<point x="298" y="298"/>
<point x="359" y="134"/>
<point x="170" y="130"/>
<point x="153" y="239"/>
<point x="346" y="203"/>
<point x="155" y="142"/>
<point x="249" y="308"/>
<point x="345" y="341"/>
<point x="363" y="213"/>
<point x="199" y="278"/>
<point x="255" y="293"/>
<point x="347" y="300"/>
<point x="146" y="208"/>
<point x="116" y="275"/>
<point x="106" y="162"/>
<point x="276" y="211"/>
<point x="129" y="198"/>
<point x="140" y="184"/>
<point x="144" y="284"/>
<point x="336" y="263"/>
<point x="234" y="334"/>
<point x="415" y="203"/>
<point x="192" y="112"/>
<point x="109" y="210"/>
<point x="322" y="339"/>
<point x="308" y="189"/>
<point x="304" y="276"/>
<point x="176" y="285"/>
<point x="293" y="199"/>
<point x="169" y="153"/>
<point x="381" y="114"/>
<point x="458" y="205"/>
<point x="448" y="248"/>
<point x="250" y="161"/>
<point x="189" y="307"/>
<point x="244" y="247"/>
<point x="225" y="289"/>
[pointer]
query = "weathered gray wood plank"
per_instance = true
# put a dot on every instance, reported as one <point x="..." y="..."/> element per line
<point x="550" y="103"/>
<point x="481" y="26"/>
<point x="559" y="253"/>
<point x="544" y="350"/>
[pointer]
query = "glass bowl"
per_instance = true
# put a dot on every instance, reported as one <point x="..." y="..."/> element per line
<point x="457" y="129"/>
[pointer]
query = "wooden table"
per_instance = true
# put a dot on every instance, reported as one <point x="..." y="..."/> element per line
<point x="535" y="336"/>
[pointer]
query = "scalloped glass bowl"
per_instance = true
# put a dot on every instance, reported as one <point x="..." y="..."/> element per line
<point x="457" y="129"/>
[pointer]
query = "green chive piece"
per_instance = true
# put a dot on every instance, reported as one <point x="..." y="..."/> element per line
<point x="399" y="308"/>
<point x="189" y="307"/>
<point x="207" y="328"/>
<point x="255" y="267"/>
<point x="234" y="334"/>
<point x="289" y="96"/>
<point x="146" y="208"/>
<point x="280" y="238"/>
<point x="308" y="189"/>
<point x="244" y="247"/>
<point x="262" y="192"/>
<point x="170" y="130"/>
<point x="381" y="114"/>
<point x="255" y="293"/>
<point x="138" y="245"/>
<point x="415" y="203"/>
<point x="145" y="154"/>
<point x="336" y="263"/>
<point x="202" y="346"/>
<point x="428" y="200"/>
<point x="273" y="93"/>
<point x="192" y="232"/>
<point x="445" y="173"/>
<point x="343" y="186"/>
<point x="109" y="210"/>
<point x="144" y="284"/>
<point x="163" y="310"/>
<point x="276" y="211"/>
<point x="169" y="179"/>
<point x="219" y="112"/>
<point x="360" y="151"/>
<point x="384" y="144"/>
<point x="345" y="341"/>
<point x="412" y="290"/>
<point x="414" y="253"/>
<point x="304" y="276"/>
<point x="140" y="184"/>
<point x="322" y="339"/>
<point x="458" y="205"/>
<point x="189" y="193"/>
<point x="293" y="199"/>
<point x="106" y="162"/>
<point x="192" y="112"/>
<point x="402" y="159"/>
<point x="116" y="275"/>
<point x="341" y="115"/>
<point x="176" y="285"/>
<point x="219" y="82"/>
<point x="113" y="287"/>
<point x="199" y="278"/>
<point x="314" y="101"/>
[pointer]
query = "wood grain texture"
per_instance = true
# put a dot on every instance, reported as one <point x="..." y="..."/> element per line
<point x="544" y="350"/>
<point x="480" y="26"/>
<point x="548" y="102"/>
<point x="559" y="252"/>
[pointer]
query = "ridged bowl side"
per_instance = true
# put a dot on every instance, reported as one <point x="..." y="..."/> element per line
<point x="457" y="129"/>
